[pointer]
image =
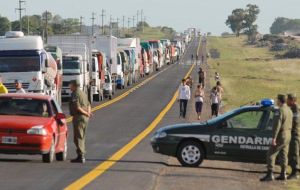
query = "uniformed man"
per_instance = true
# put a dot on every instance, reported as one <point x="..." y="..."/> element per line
<point x="281" y="138"/>
<point x="295" y="141"/>
<point x="80" y="109"/>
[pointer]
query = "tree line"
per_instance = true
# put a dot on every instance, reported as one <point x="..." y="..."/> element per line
<point x="281" y="25"/>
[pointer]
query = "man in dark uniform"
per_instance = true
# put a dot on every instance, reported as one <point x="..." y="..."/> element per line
<point x="80" y="109"/>
<point x="281" y="138"/>
<point x="295" y="141"/>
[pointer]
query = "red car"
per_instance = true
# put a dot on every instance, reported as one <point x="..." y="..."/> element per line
<point x="32" y="124"/>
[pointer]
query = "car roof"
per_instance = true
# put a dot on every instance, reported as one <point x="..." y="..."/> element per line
<point x="26" y="96"/>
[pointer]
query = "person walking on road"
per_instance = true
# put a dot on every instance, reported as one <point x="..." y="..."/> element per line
<point x="199" y="99"/>
<point x="80" y="109"/>
<point x="201" y="74"/>
<point x="19" y="87"/>
<point x="281" y="137"/>
<point x="215" y="101"/>
<point x="295" y="140"/>
<point x="189" y="81"/>
<point x="3" y="89"/>
<point x="220" y="93"/>
<point x="184" y="97"/>
<point x="192" y="57"/>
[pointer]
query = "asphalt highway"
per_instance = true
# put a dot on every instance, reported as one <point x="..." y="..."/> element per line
<point x="110" y="129"/>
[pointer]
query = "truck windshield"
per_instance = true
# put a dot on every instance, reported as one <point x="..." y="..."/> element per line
<point x="20" y="64"/>
<point x="71" y="67"/>
<point x="154" y="45"/>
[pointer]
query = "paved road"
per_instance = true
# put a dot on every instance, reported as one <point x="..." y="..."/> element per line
<point x="143" y="169"/>
<point x="110" y="129"/>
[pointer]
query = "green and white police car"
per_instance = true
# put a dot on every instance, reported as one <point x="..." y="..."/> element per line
<point x="242" y="135"/>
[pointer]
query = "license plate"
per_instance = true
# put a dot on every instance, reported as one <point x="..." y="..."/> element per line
<point x="9" y="140"/>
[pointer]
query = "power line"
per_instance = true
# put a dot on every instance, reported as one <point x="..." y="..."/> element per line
<point x="142" y="12"/>
<point x="46" y="19"/>
<point x="20" y="9"/>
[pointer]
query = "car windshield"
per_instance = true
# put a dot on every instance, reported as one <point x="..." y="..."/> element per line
<point x="20" y="64"/>
<point x="220" y="117"/>
<point x="24" y="107"/>
<point x="71" y="67"/>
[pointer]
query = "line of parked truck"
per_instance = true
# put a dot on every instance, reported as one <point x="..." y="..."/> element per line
<point x="102" y="64"/>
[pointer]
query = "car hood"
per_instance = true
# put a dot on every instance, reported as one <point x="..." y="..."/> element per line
<point x="182" y="125"/>
<point x="22" y="122"/>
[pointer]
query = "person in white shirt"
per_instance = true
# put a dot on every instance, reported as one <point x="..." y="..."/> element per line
<point x="184" y="96"/>
<point x="215" y="100"/>
<point x="19" y="88"/>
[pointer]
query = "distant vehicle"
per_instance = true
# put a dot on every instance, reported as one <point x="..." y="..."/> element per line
<point x="24" y="58"/>
<point x="165" y="42"/>
<point x="132" y="48"/>
<point x="80" y="48"/>
<point x="149" y="67"/>
<point x="58" y="57"/>
<point x="242" y="135"/>
<point x="158" y="52"/>
<point x="33" y="124"/>
<point x="125" y="63"/>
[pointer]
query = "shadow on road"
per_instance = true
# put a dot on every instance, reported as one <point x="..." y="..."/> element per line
<point x="175" y="166"/>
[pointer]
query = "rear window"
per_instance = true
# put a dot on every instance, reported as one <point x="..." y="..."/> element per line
<point x="24" y="107"/>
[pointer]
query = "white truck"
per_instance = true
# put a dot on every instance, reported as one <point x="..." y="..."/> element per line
<point x="24" y="58"/>
<point x="109" y="45"/>
<point x="132" y="48"/>
<point x="80" y="63"/>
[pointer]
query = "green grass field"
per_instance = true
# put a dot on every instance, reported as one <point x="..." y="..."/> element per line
<point x="251" y="74"/>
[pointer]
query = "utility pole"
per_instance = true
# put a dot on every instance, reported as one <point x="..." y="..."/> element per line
<point x="93" y="22"/>
<point x="142" y="12"/>
<point x="118" y="35"/>
<point x="137" y="18"/>
<point x="124" y="24"/>
<point x="81" y="23"/>
<point x="110" y="24"/>
<point x="20" y="9"/>
<point x="128" y="22"/>
<point x="46" y="25"/>
<point x="102" y="18"/>
<point x="133" y="19"/>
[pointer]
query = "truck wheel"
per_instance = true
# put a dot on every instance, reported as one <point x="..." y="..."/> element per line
<point x="62" y="156"/>
<point x="49" y="157"/>
<point x="190" y="154"/>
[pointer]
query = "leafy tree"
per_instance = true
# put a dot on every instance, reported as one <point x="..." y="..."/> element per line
<point x="4" y="25"/>
<point x="251" y="14"/>
<point x="235" y="21"/>
<point x="279" y="25"/>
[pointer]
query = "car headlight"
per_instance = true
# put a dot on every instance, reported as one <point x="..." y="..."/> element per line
<point x="37" y="130"/>
<point x="160" y="135"/>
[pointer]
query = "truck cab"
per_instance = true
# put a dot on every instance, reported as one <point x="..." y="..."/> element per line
<point x="24" y="58"/>
<point x="74" y="68"/>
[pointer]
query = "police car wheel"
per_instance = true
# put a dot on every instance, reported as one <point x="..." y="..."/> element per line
<point x="190" y="154"/>
<point x="49" y="157"/>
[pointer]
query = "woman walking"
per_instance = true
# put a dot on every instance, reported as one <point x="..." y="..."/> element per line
<point x="199" y="99"/>
<point x="184" y="96"/>
<point x="214" y="97"/>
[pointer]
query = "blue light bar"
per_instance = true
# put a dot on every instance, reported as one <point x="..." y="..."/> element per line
<point x="267" y="102"/>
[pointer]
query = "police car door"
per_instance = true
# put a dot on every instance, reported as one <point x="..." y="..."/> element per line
<point x="242" y="136"/>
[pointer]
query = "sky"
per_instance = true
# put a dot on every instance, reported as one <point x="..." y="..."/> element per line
<point x="206" y="15"/>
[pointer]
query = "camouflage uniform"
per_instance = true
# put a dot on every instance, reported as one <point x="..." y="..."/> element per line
<point x="80" y="121"/>
<point x="295" y="141"/>
<point x="282" y="133"/>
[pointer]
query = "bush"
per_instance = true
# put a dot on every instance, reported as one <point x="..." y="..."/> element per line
<point x="292" y="53"/>
<point x="279" y="47"/>
<point x="214" y="53"/>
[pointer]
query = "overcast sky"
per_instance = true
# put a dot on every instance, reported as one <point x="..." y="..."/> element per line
<point x="208" y="15"/>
